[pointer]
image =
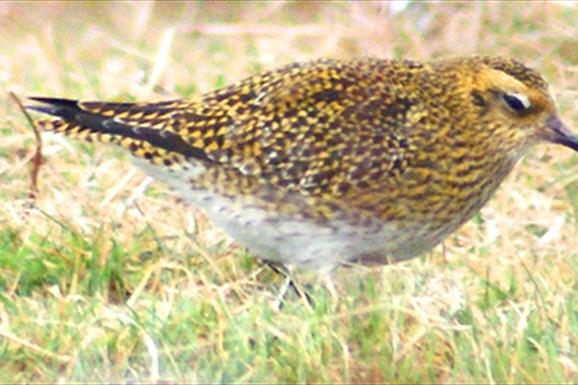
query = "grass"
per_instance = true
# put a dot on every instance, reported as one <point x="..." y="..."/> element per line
<point x="105" y="277"/>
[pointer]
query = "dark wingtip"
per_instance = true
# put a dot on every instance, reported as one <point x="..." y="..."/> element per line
<point x="42" y="109"/>
<point x="55" y="101"/>
<point x="53" y="106"/>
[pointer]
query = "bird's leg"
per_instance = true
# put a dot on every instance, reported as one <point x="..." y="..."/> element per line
<point x="325" y="275"/>
<point x="330" y="287"/>
<point x="290" y="282"/>
<point x="278" y="302"/>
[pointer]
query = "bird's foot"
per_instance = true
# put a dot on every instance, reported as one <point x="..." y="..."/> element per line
<point x="289" y="283"/>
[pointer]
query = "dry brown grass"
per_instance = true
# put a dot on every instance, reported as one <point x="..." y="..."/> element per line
<point x="105" y="277"/>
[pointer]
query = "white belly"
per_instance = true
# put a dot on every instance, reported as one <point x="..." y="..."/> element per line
<point x="290" y="241"/>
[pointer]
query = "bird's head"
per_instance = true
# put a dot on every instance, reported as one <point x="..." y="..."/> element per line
<point x="515" y="104"/>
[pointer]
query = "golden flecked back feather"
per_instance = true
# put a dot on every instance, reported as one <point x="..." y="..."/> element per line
<point x="307" y="126"/>
<point x="304" y="126"/>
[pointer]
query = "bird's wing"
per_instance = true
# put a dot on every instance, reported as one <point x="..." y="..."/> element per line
<point x="143" y="129"/>
<point x="319" y="127"/>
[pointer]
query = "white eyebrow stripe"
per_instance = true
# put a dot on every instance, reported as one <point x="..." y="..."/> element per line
<point x="522" y="98"/>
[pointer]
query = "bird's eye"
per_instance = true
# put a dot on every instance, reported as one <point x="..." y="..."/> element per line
<point x="517" y="102"/>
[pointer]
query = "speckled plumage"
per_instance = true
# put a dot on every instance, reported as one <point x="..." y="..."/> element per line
<point x="328" y="162"/>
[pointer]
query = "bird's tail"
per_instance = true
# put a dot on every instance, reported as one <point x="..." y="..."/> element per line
<point x="143" y="129"/>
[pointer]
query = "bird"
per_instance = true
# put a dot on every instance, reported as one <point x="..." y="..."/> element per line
<point x="331" y="163"/>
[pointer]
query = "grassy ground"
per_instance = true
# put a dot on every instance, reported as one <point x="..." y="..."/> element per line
<point x="107" y="277"/>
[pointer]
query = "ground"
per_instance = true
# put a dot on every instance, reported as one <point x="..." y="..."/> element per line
<point x="108" y="277"/>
